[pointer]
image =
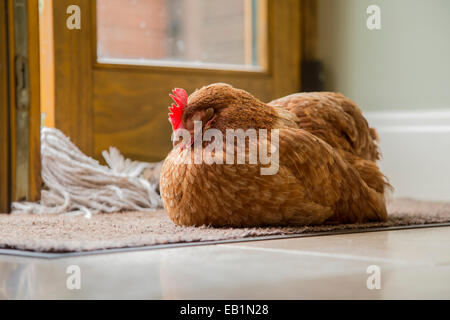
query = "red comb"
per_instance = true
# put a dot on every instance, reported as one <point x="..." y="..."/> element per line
<point x="179" y="96"/>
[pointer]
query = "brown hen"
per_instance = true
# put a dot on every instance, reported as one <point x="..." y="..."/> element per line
<point x="326" y="174"/>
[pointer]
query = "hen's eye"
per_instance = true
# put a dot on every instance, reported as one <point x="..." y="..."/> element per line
<point x="203" y="115"/>
<point x="209" y="113"/>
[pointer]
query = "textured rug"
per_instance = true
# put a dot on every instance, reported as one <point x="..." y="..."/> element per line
<point x="58" y="233"/>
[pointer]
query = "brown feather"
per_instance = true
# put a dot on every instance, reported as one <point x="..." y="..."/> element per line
<point x="327" y="170"/>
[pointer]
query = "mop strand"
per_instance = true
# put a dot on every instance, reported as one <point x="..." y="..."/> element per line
<point x="77" y="184"/>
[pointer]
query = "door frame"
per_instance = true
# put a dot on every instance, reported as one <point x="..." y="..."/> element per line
<point x="20" y="161"/>
<point x="5" y="164"/>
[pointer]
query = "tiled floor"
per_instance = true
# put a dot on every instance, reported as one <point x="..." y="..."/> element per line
<point x="413" y="264"/>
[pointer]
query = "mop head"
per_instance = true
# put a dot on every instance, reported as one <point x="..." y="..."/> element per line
<point x="77" y="184"/>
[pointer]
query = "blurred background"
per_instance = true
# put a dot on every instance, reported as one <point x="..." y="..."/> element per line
<point x="179" y="31"/>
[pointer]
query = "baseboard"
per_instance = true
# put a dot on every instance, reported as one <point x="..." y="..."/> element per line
<point x="416" y="151"/>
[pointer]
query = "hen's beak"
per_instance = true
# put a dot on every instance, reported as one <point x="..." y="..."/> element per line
<point x="182" y="142"/>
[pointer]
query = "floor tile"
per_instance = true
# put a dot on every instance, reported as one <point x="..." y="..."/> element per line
<point x="412" y="263"/>
<point x="425" y="246"/>
<point x="209" y="272"/>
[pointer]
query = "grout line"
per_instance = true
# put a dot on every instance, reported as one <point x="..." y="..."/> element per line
<point x="330" y="255"/>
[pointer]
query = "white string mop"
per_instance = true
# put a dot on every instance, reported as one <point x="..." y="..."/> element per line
<point x="78" y="184"/>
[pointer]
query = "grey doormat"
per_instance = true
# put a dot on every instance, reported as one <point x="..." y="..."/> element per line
<point x="69" y="234"/>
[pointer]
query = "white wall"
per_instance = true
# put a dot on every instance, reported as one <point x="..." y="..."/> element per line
<point x="400" y="77"/>
<point x="416" y="152"/>
<point x="405" y="65"/>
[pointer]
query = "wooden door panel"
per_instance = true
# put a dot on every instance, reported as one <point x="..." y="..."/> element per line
<point x="73" y="74"/>
<point x="130" y="109"/>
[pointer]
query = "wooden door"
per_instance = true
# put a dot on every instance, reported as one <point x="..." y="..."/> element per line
<point x="99" y="104"/>
<point x="5" y="167"/>
<point x="20" y="175"/>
